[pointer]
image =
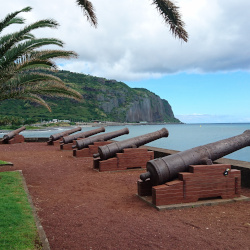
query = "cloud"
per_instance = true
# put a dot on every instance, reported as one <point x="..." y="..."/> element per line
<point x="132" y="42"/>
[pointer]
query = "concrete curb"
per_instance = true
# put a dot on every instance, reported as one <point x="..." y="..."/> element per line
<point x="212" y="202"/>
<point x="41" y="232"/>
<point x="7" y="164"/>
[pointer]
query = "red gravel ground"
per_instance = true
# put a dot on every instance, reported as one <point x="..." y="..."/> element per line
<point x="80" y="208"/>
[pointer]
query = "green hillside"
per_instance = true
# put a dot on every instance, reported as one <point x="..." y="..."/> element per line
<point x="103" y="99"/>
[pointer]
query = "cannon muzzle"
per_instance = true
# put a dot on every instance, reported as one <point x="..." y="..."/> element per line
<point x="165" y="169"/>
<point x="13" y="133"/>
<point x="64" y="133"/>
<point x="71" y="138"/>
<point x="110" y="150"/>
<point x="84" y="143"/>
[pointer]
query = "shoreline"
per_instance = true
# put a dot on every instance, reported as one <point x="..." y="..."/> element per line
<point x="87" y="125"/>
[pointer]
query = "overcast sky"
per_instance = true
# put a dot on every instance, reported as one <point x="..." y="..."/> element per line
<point x="204" y="80"/>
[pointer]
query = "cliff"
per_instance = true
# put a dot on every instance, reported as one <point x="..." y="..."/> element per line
<point x="103" y="100"/>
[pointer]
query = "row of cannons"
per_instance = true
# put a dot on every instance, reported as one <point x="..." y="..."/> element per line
<point x="179" y="178"/>
<point x="108" y="155"/>
<point x="183" y="177"/>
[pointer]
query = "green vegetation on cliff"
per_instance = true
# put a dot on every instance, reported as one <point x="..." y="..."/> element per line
<point x="104" y="100"/>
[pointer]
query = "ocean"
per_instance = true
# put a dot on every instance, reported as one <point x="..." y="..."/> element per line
<point x="181" y="136"/>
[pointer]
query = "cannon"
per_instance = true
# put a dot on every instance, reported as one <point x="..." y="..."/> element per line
<point x="107" y="151"/>
<point x="71" y="138"/>
<point x="165" y="169"/>
<point x="84" y="143"/>
<point x="12" y="134"/>
<point x="64" y="133"/>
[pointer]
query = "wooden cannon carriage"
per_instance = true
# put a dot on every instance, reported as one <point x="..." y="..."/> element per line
<point x="13" y="137"/>
<point x="190" y="175"/>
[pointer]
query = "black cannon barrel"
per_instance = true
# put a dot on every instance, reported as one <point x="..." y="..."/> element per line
<point x="64" y="133"/>
<point x="107" y="151"/>
<point x="71" y="138"/>
<point x="13" y="133"/>
<point x="165" y="169"/>
<point x="103" y="137"/>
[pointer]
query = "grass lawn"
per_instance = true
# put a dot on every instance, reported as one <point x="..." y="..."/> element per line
<point x="17" y="225"/>
<point x="3" y="162"/>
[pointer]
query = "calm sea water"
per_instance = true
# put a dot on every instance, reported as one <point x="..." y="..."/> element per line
<point x="181" y="136"/>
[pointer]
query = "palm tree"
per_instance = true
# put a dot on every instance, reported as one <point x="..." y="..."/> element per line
<point x="21" y="60"/>
<point x="166" y="8"/>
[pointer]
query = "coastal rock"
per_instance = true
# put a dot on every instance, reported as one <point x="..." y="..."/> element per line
<point x="135" y="105"/>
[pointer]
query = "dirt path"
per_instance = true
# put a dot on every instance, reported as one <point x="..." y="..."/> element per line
<point x="80" y="208"/>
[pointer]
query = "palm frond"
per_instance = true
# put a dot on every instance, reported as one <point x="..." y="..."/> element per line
<point x="20" y="58"/>
<point x="33" y="61"/>
<point x="35" y="64"/>
<point x="41" y="89"/>
<point x="9" y="19"/>
<point x="16" y="20"/>
<point x="37" y="83"/>
<point x="35" y="98"/>
<point x="48" y="54"/>
<point x="4" y="39"/>
<point x="22" y="34"/>
<point x="24" y="48"/>
<point x="88" y="10"/>
<point x="43" y="59"/>
<point x="54" y="89"/>
<point x="26" y="67"/>
<point x="172" y="17"/>
<point x="31" y="79"/>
